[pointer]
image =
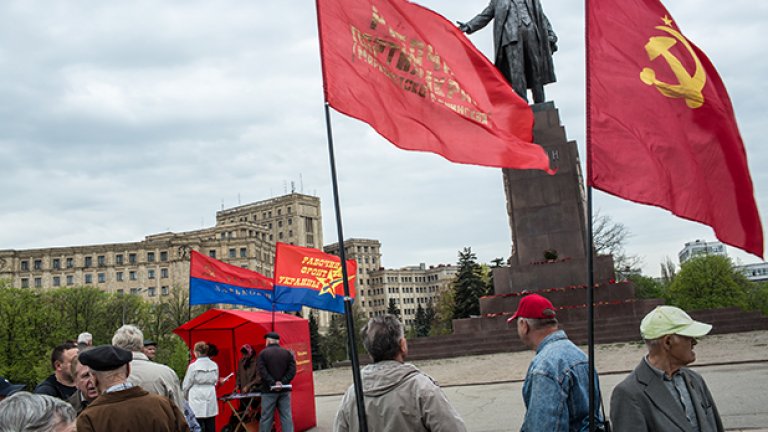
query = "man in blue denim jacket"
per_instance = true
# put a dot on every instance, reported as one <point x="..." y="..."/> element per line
<point x="556" y="388"/>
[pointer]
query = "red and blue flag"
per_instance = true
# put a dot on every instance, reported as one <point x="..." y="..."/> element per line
<point x="215" y="282"/>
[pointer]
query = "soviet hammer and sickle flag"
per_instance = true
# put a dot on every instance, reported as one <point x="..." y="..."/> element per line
<point x="416" y="79"/>
<point x="310" y="277"/>
<point x="661" y="127"/>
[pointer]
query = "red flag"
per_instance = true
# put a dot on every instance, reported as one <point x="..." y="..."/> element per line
<point x="311" y="277"/>
<point x="416" y="79"/>
<point x="662" y="129"/>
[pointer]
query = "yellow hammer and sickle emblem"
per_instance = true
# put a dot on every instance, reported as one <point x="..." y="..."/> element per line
<point x="688" y="87"/>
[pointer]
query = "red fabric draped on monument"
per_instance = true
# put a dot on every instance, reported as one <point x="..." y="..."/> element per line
<point x="416" y="79"/>
<point x="662" y="129"/>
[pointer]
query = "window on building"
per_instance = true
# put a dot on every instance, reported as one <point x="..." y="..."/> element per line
<point x="164" y="291"/>
<point x="243" y="253"/>
<point x="57" y="281"/>
<point x="38" y="264"/>
<point x="70" y="280"/>
<point x="164" y="273"/>
<point x="232" y="253"/>
<point x="135" y="291"/>
<point x="212" y="253"/>
<point x="88" y="278"/>
<point x="279" y="224"/>
<point x="70" y="262"/>
<point x="119" y="259"/>
<point x="88" y="262"/>
<point x="151" y="274"/>
<point x="119" y="276"/>
<point x="25" y="266"/>
<point x="102" y="277"/>
<point x="271" y="237"/>
<point x="280" y="235"/>
<point x="101" y="260"/>
<point x="121" y="291"/>
<point x="24" y="282"/>
<point x="150" y="257"/>
<point x="290" y="221"/>
<point x="56" y="263"/>
<point x="308" y="225"/>
<point x="151" y="291"/>
<point x="132" y="258"/>
<point x="132" y="275"/>
<point x="164" y="256"/>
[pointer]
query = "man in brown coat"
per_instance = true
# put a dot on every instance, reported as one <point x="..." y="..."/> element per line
<point x="121" y="405"/>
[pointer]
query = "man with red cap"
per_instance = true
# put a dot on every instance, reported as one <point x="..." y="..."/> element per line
<point x="556" y="387"/>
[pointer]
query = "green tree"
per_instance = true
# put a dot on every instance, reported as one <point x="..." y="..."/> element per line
<point x="334" y="343"/>
<point x="392" y="309"/>
<point x="318" y="361"/>
<point x="758" y="297"/>
<point x="707" y="282"/>
<point x="646" y="287"/>
<point x="443" y="313"/>
<point x="469" y="285"/>
<point x="422" y="324"/>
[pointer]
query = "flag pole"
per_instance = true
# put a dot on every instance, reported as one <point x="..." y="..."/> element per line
<point x="590" y="237"/>
<point x="356" y="379"/>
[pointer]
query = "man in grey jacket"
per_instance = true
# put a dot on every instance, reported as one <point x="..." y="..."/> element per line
<point x="152" y="377"/>
<point x="398" y="396"/>
<point x="662" y="394"/>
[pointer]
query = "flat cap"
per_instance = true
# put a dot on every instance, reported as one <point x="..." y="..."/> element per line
<point x="149" y="342"/>
<point x="105" y="357"/>
<point x="272" y="335"/>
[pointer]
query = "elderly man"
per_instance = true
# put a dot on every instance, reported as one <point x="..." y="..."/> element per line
<point x="277" y="368"/>
<point x="61" y="383"/>
<point x="24" y="411"/>
<point x="523" y="41"/>
<point x="86" y="389"/>
<point x="556" y="387"/>
<point x="398" y="396"/>
<point x="84" y="341"/>
<point x="123" y="406"/>
<point x="152" y="377"/>
<point x="661" y="394"/>
<point x="150" y="349"/>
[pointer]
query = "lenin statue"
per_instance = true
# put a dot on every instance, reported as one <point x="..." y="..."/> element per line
<point x="523" y="42"/>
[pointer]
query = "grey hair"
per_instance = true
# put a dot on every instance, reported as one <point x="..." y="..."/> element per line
<point x="652" y="344"/>
<point x="129" y="337"/>
<point x="540" y="323"/>
<point x="27" y="412"/>
<point x="381" y="337"/>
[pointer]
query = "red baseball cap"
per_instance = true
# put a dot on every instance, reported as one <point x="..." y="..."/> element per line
<point x="534" y="306"/>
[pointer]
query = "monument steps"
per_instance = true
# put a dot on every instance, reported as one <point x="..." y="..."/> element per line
<point x="609" y="330"/>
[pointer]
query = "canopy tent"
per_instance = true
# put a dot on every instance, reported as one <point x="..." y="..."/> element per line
<point x="230" y="329"/>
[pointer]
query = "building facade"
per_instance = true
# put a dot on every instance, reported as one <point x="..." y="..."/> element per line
<point x="757" y="272"/>
<point x="408" y="287"/>
<point x="244" y="236"/>
<point x="701" y="247"/>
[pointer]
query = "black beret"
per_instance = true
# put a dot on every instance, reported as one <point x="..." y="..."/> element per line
<point x="105" y="357"/>
<point x="272" y="335"/>
<point x="149" y="342"/>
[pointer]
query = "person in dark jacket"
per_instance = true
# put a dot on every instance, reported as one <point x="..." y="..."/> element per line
<point x="662" y="394"/>
<point x="277" y="368"/>
<point x="61" y="383"/>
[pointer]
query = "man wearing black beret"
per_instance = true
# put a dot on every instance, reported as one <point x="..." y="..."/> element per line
<point x="277" y="368"/>
<point x="122" y="406"/>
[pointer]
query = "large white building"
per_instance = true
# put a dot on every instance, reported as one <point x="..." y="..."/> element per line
<point x="701" y="247"/>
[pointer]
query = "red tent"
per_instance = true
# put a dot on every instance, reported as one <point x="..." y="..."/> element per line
<point x="230" y="329"/>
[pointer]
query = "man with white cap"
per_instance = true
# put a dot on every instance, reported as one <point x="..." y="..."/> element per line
<point x="556" y="387"/>
<point x="661" y="394"/>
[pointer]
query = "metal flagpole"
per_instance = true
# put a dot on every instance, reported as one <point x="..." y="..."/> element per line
<point x="357" y="381"/>
<point x="590" y="240"/>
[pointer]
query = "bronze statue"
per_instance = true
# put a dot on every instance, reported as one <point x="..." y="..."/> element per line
<point x="523" y="42"/>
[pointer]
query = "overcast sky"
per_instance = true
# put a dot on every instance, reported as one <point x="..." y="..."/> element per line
<point x="123" y="119"/>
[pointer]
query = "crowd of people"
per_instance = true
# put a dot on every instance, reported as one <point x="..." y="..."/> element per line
<point x="118" y="387"/>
